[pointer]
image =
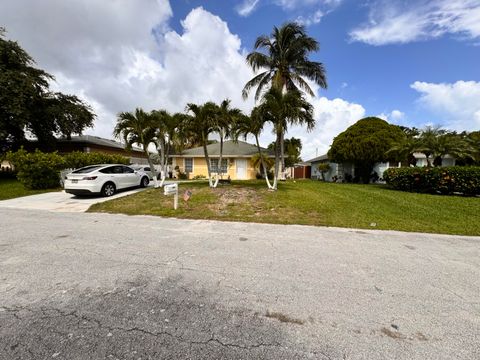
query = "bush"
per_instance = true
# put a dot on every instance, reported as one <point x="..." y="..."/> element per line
<point x="182" y="176"/>
<point x="199" y="177"/>
<point x="37" y="170"/>
<point x="440" y="180"/>
<point x="77" y="159"/>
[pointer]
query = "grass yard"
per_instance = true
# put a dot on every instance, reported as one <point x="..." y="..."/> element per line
<point x="310" y="203"/>
<point x="12" y="188"/>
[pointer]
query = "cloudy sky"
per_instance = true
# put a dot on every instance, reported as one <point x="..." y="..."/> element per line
<point x="413" y="62"/>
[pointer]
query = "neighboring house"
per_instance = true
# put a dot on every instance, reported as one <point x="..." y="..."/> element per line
<point x="299" y="171"/>
<point x="236" y="162"/>
<point x="90" y="143"/>
<point x="338" y="172"/>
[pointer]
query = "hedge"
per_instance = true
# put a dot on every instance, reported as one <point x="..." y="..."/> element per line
<point x="440" y="180"/>
<point x="77" y="159"/>
<point x="39" y="170"/>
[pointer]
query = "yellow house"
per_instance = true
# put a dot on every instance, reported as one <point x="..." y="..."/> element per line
<point x="236" y="161"/>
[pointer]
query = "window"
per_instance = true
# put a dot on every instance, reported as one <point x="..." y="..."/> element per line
<point x="188" y="165"/>
<point x="87" y="169"/>
<point x="214" y="166"/>
<point x="108" y="170"/>
<point x="127" y="170"/>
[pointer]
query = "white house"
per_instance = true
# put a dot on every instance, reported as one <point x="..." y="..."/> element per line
<point x="338" y="172"/>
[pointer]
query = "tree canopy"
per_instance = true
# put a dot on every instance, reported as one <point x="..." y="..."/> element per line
<point x="365" y="143"/>
<point x="27" y="104"/>
<point x="293" y="148"/>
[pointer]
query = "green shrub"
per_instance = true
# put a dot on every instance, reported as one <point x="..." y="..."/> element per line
<point x="182" y="176"/>
<point x="37" y="170"/>
<point x="440" y="180"/>
<point x="199" y="177"/>
<point x="77" y="159"/>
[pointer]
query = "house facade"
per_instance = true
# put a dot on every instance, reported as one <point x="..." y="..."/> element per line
<point x="236" y="164"/>
<point x="341" y="171"/>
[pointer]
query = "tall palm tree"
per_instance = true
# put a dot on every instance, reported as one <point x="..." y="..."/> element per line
<point x="285" y="64"/>
<point x="200" y="125"/>
<point x="225" y="117"/>
<point x="283" y="109"/>
<point x="137" y="128"/>
<point x="253" y="125"/>
<point x="166" y="134"/>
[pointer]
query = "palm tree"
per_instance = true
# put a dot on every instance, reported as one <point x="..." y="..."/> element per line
<point x="166" y="134"/>
<point x="286" y="61"/>
<point x="137" y="128"/>
<point x="225" y="117"/>
<point x="405" y="149"/>
<point x="285" y="64"/>
<point x="200" y="125"/>
<point x="253" y="125"/>
<point x="282" y="109"/>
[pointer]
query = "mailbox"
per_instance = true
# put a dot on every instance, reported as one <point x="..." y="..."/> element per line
<point x="170" y="189"/>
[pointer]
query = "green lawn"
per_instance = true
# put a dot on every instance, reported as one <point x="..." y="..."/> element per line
<point x="311" y="203"/>
<point x="12" y="188"/>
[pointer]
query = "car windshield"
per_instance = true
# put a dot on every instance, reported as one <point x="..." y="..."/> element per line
<point x="87" y="169"/>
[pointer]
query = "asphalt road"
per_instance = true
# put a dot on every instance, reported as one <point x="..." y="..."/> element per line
<point x="99" y="286"/>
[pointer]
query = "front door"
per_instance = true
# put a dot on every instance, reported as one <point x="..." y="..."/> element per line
<point x="241" y="169"/>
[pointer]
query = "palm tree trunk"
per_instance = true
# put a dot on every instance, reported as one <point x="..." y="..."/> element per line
<point x="219" y="168"/>
<point x="162" y="162"/>
<point x="207" y="159"/>
<point x="277" y="161"/>
<point x="263" y="162"/>
<point x="152" y="168"/>
<point x="282" y="153"/>
<point x="165" y="163"/>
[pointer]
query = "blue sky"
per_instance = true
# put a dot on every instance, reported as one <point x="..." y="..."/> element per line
<point x="378" y="76"/>
<point x="412" y="62"/>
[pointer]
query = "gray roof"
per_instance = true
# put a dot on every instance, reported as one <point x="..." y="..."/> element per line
<point x="319" y="158"/>
<point x="96" y="140"/>
<point x="230" y="149"/>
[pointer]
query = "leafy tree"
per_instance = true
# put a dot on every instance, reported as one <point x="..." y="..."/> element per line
<point x="293" y="148"/>
<point x="282" y="109"/>
<point x="199" y="126"/>
<point x="225" y="118"/>
<point x="137" y="128"/>
<point x="27" y="104"/>
<point x="167" y="135"/>
<point x="284" y="64"/>
<point x="253" y="125"/>
<point x="323" y="168"/>
<point x="365" y="143"/>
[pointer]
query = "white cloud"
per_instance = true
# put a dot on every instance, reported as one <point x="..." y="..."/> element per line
<point x="397" y="115"/>
<point x="312" y="19"/>
<point x="332" y="117"/>
<point x="116" y="64"/>
<point x="100" y="51"/>
<point x="392" y="117"/>
<point x="293" y="4"/>
<point x="246" y="7"/>
<point x="402" y="22"/>
<point x="456" y="105"/>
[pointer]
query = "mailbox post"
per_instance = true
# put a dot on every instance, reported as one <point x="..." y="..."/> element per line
<point x="172" y="189"/>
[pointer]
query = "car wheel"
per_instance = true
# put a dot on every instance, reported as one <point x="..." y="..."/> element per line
<point x="144" y="182"/>
<point x="108" y="189"/>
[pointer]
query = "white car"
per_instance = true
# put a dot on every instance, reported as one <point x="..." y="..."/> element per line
<point x="104" y="179"/>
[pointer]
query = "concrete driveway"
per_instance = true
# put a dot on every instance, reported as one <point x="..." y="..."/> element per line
<point x="102" y="286"/>
<point x="61" y="201"/>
